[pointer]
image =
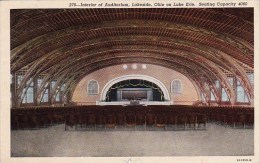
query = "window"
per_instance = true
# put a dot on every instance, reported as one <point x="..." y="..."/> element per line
<point x="93" y="87"/>
<point x="28" y="97"/>
<point x="212" y="97"/>
<point x="19" y="79"/>
<point x="39" y="83"/>
<point x="45" y="97"/>
<point x="53" y="83"/>
<point x="203" y="99"/>
<point x="224" y="96"/>
<point x="60" y="95"/>
<point x="57" y="98"/>
<point x="241" y="93"/>
<point x="231" y="81"/>
<point x="57" y="91"/>
<point x="217" y="84"/>
<point x="206" y="86"/>
<point x="176" y="87"/>
<point x="62" y="87"/>
<point x="251" y="78"/>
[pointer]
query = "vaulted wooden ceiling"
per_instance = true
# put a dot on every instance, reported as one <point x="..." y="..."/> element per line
<point x="68" y="44"/>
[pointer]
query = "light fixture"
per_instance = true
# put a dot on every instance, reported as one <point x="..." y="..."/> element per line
<point x="125" y="66"/>
<point x="134" y="66"/>
<point x="144" y="66"/>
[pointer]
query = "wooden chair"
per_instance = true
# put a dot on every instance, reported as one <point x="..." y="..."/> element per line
<point x="150" y="119"/>
<point x="100" y="120"/>
<point x="249" y="119"/>
<point x="140" y="119"/>
<point x="110" y="121"/>
<point x="222" y="119"/>
<point x="160" y="120"/>
<point x="91" y="120"/>
<point x="34" y="121"/>
<point x="80" y="120"/>
<point x="14" y="122"/>
<point x="202" y="120"/>
<point x="23" y="119"/>
<point x="130" y="119"/>
<point x="120" y="119"/>
<point x="191" y="120"/>
<point x="230" y="120"/>
<point x="181" y="120"/>
<point x="171" y="119"/>
<point x="49" y="119"/>
<point x="70" y="121"/>
<point x="240" y="119"/>
<point x="40" y="118"/>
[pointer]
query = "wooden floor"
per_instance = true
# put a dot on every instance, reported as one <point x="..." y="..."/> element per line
<point x="54" y="141"/>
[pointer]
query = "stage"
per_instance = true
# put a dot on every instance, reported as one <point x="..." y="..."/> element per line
<point x="126" y="103"/>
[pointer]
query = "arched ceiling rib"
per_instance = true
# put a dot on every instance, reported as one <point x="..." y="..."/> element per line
<point x="211" y="41"/>
<point x="38" y="22"/>
<point x="41" y="45"/>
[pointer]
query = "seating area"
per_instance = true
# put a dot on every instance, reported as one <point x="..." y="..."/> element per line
<point x="94" y="117"/>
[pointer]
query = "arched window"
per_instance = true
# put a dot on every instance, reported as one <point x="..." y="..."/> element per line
<point x="93" y="87"/>
<point x="176" y="87"/>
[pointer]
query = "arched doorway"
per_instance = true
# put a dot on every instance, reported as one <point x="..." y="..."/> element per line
<point x="166" y="97"/>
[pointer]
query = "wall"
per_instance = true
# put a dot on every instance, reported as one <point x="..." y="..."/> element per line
<point x="165" y="75"/>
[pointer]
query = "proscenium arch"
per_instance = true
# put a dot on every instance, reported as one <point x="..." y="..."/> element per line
<point x="110" y="83"/>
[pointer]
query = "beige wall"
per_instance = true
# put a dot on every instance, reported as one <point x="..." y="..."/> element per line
<point x="165" y="75"/>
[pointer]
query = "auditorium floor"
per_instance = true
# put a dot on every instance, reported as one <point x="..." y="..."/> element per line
<point x="54" y="141"/>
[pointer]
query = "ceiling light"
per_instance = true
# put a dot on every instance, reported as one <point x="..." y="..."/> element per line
<point x="134" y="66"/>
<point x="144" y="66"/>
<point x="124" y="66"/>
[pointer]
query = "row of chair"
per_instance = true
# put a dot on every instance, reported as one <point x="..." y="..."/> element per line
<point x="135" y="119"/>
<point x="238" y="119"/>
<point x="81" y="117"/>
<point x="35" y="119"/>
